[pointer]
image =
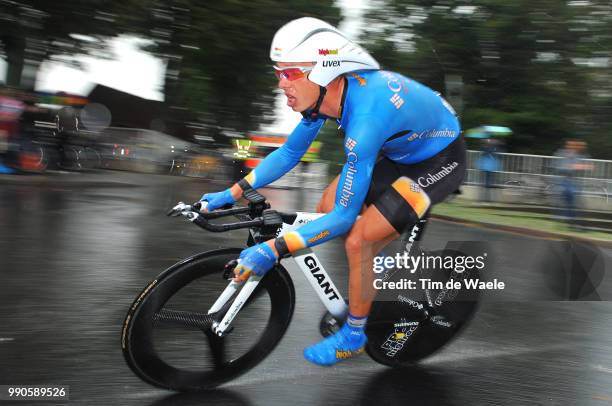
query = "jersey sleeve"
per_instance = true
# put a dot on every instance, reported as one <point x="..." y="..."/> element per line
<point x="361" y="148"/>
<point x="286" y="157"/>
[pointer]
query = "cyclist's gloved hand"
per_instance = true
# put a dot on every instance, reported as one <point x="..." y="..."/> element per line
<point x="258" y="259"/>
<point x="217" y="200"/>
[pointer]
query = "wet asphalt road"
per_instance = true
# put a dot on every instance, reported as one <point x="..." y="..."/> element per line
<point x="75" y="249"/>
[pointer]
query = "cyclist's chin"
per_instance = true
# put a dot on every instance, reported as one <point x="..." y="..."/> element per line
<point x="299" y="104"/>
<point x="302" y="107"/>
<point x="292" y="102"/>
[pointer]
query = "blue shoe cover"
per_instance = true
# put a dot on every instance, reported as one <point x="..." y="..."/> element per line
<point x="346" y="343"/>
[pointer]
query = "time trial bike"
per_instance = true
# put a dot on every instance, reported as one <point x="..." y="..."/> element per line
<point x="193" y="327"/>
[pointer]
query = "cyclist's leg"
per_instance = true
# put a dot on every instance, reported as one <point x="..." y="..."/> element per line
<point x="399" y="196"/>
<point x="379" y="234"/>
<point x="351" y="338"/>
<point x="395" y="203"/>
<point x="370" y="234"/>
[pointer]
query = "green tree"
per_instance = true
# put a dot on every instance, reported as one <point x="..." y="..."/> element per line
<point x="216" y="53"/>
<point x="227" y="73"/>
<point x="519" y="61"/>
<point x="32" y="31"/>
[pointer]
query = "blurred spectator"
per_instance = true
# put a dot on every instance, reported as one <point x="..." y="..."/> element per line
<point x="66" y="127"/>
<point x="10" y="111"/>
<point x="488" y="163"/>
<point x="569" y="166"/>
<point x="28" y="156"/>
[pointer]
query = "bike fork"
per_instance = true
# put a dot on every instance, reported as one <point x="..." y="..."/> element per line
<point x="222" y="327"/>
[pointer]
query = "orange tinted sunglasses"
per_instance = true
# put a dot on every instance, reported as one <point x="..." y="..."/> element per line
<point x="292" y="73"/>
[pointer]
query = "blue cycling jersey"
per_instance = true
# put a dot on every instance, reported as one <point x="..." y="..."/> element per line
<point x="382" y="114"/>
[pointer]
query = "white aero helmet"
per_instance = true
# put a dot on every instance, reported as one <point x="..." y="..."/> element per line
<point x="309" y="39"/>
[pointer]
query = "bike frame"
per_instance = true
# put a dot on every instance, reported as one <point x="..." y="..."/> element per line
<point x="310" y="265"/>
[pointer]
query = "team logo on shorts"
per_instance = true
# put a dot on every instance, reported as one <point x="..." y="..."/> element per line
<point x="350" y="144"/>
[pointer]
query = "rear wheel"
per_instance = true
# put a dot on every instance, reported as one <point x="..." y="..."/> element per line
<point x="417" y="323"/>
<point x="167" y="339"/>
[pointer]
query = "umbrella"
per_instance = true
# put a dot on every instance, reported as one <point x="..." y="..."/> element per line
<point x="488" y="131"/>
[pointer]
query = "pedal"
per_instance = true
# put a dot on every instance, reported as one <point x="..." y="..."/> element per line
<point x="329" y="325"/>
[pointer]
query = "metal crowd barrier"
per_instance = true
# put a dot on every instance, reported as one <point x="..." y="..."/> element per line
<point x="539" y="172"/>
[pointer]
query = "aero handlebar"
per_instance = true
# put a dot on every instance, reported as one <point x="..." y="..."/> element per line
<point x="255" y="210"/>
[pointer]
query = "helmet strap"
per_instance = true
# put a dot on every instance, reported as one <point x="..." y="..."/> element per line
<point x="314" y="113"/>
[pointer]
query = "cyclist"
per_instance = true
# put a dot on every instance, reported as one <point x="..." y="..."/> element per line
<point x="403" y="152"/>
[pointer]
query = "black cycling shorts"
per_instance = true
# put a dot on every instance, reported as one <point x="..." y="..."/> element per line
<point x="392" y="183"/>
